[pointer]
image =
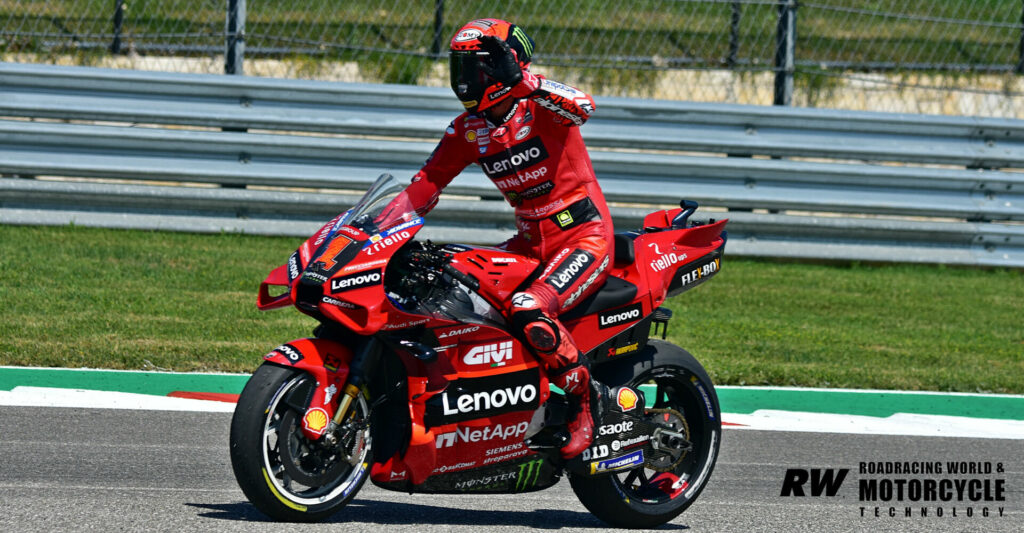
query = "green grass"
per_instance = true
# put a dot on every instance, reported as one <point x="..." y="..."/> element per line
<point x="827" y="30"/>
<point x="75" y="297"/>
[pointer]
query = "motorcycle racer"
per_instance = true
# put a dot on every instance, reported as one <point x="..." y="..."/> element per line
<point x="522" y="130"/>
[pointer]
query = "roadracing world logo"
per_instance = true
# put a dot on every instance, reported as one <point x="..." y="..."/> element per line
<point x="908" y="489"/>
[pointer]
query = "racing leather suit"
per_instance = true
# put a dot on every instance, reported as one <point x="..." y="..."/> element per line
<point x="537" y="159"/>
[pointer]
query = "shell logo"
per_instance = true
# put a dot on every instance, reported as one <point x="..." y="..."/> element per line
<point x="626" y="399"/>
<point x="315" y="420"/>
<point x="470" y="135"/>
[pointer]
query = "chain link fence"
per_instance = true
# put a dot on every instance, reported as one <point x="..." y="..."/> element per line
<point x="959" y="57"/>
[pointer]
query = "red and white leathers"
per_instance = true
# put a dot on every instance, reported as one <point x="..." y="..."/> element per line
<point x="537" y="159"/>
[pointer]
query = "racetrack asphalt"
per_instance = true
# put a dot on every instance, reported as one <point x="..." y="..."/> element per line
<point x="118" y="470"/>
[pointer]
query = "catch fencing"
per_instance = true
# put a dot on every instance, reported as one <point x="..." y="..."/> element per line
<point x="216" y="153"/>
<point x="959" y="57"/>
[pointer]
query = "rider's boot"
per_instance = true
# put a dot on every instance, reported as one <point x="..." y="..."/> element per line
<point x="552" y="343"/>
<point x="588" y="401"/>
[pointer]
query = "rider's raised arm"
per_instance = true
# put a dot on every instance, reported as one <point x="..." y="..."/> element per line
<point x="447" y="160"/>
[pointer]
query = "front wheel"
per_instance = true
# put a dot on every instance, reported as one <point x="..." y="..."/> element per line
<point x="654" y="494"/>
<point x="284" y="474"/>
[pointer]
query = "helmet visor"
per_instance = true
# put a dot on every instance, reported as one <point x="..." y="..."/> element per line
<point x="467" y="78"/>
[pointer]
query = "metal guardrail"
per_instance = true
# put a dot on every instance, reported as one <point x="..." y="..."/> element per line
<point x="832" y="184"/>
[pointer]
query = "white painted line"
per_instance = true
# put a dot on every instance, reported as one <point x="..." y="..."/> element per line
<point x="52" y="397"/>
<point x="868" y="391"/>
<point x="897" y="424"/>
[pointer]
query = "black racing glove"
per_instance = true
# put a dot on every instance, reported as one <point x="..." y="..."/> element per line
<point x="502" y="64"/>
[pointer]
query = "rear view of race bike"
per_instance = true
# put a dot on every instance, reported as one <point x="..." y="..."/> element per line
<point x="414" y="381"/>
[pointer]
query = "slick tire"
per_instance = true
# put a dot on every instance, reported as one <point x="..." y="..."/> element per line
<point x="636" y="499"/>
<point x="271" y="404"/>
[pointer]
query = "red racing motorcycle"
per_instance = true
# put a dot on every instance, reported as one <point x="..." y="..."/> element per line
<point x="414" y="381"/>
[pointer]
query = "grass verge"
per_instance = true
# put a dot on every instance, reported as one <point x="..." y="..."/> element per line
<point x="85" y="297"/>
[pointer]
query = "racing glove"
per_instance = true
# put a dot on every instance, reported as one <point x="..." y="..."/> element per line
<point x="503" y="65"/>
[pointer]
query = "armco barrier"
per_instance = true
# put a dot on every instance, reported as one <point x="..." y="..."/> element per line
<point x="273" y="155"/>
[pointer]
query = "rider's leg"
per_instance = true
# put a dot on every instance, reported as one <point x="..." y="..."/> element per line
<point x="574" y="274"/>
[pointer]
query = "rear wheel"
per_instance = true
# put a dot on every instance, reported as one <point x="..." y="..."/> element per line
<point x="677" y="388"/>
<point x="283" y="473"/>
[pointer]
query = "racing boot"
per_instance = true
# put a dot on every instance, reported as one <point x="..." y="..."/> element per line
<point x="588" y="402"/>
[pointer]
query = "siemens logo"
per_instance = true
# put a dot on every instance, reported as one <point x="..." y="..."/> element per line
<point x="517" y="157"/>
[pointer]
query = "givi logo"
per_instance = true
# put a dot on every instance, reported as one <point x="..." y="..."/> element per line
<point x="489" y="354"/>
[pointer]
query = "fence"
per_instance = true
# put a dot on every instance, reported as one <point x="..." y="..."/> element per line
<point x="238" y="153"/>
<point x="961" y="57"/>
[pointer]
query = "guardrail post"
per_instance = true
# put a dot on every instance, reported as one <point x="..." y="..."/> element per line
<point x="115" y="46"/>
<point x="234" y="33"/>
<point x="785" y="48"/>
<point x="734" y="35"/>
<point x="435" y="47"/>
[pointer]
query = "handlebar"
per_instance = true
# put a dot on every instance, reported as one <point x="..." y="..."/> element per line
<point x="465" y="279"/>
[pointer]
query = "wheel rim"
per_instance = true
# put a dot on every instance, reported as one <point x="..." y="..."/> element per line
<point x="306" y="472"/>
<point x="674" y="396"/>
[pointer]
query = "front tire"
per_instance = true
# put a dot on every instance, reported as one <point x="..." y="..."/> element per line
<point x="671" y="378"/>
<point x="284" y="474"/>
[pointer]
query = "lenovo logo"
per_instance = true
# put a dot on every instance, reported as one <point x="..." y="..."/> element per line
<point x="619" y="316"/>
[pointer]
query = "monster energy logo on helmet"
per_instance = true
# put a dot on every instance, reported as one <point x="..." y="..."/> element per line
<point x="528" y="475"/>
<point x="522" y="43"/>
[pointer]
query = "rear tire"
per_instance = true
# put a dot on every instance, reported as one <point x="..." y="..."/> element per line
<point x="671" y="378"/>
<point x="284" y="474"/>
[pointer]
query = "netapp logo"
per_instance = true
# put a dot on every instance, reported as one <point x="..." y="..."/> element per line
<point x="356" y="281"/>
<point x="469" y="434"/>
<point x="619" y="316"/>
<point x="517" y="157"/>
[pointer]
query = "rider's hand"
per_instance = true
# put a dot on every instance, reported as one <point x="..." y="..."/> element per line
<point x="502" y="66"/>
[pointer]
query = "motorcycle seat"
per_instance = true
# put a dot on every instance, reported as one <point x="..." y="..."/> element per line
<point x="624" y="248"/>
<point x="615" y="292"/>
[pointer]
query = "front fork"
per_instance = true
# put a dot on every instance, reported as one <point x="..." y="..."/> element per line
<point x="353" y="388"/>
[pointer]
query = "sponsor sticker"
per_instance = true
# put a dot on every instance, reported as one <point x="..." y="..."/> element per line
<point x="617" y="317"/>
<point x="315" y="420"/>
<point x="627" y="399"/>
<point x="469" y="398"/>
<point x="496" y="354"/>
<point x="520" y="156"/>
<point x="570" y="270"/>
<point x="620" y="463"/>
<point x="521" y="134"/>
<point x="358" y="280"/>
<point x="288" y="351"/>
<point x="475" y="434"/>
<point x="468" y="34"/>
